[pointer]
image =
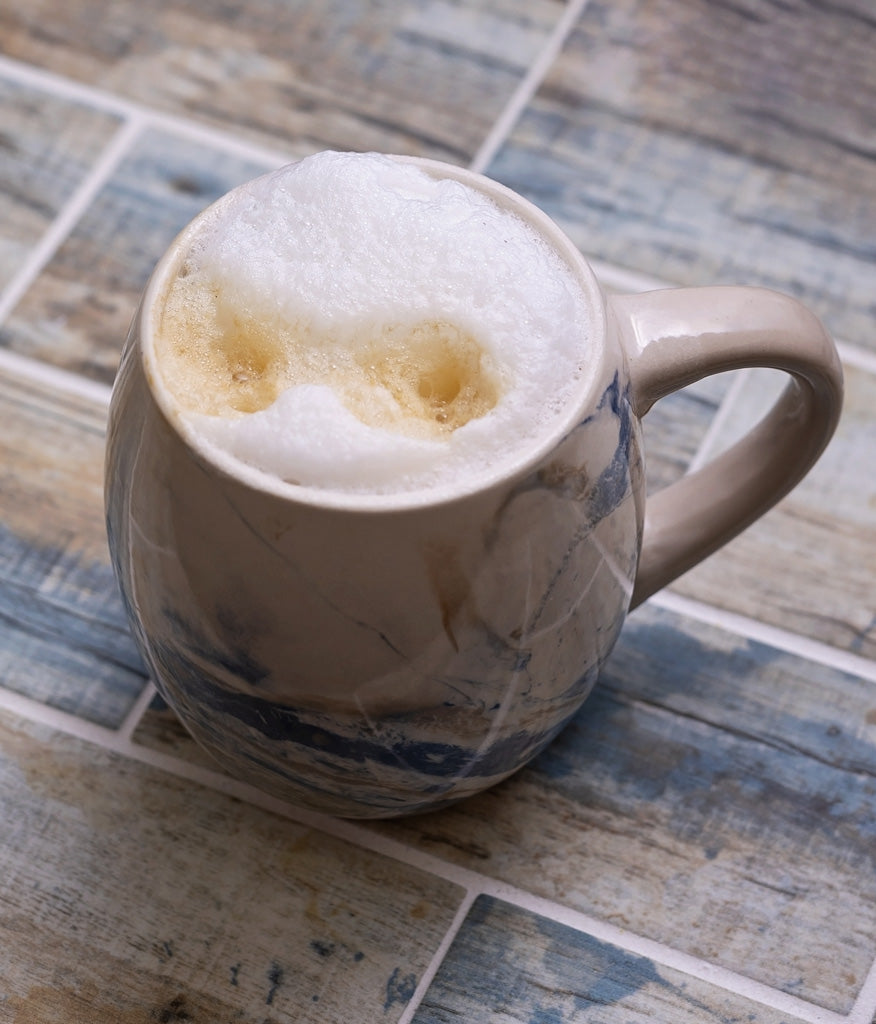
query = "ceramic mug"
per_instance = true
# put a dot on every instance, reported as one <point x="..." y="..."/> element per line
<point x="372" y="658"/>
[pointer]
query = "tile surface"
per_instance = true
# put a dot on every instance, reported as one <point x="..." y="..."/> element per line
<point x="544" y="971"/>
<point x="159" y="729"/>
<point x="716" y="797"/>
<point x="809" y="565"/>
<point x="77" y="312"/>
<point x="707" y="143"/>
<point x="676" y="427"/>
<point x="197" y="907"/>
<point x="420" y="76"/>
<point x="65" y="640"/>
<point x="708" y="795"/>
<point x="47" y="146"/>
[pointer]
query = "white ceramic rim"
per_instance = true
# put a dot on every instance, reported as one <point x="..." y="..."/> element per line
<point x="509" y="469"/>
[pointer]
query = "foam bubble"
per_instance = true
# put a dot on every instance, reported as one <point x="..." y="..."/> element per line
<point x="351" y="322"/>
<point x="338" y="442"/>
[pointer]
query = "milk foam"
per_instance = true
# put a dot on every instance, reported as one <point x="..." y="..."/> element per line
<point x="339" y="259"/>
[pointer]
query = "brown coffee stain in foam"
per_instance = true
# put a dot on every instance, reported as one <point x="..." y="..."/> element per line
<point x="251" y="355"/>
<point x="217" y="360"/>
<point x="438" y="375"/>
<point x="425" y="379"/>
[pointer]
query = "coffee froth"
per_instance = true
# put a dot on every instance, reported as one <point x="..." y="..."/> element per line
<point x="352" y="323"/>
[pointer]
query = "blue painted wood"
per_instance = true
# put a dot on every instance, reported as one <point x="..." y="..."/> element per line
<point x="130" y="895"/>
<point x="64" y="639"/>
<point x="415" y="77"/>
<point x="715" y="143"/>
<point x="48" y="146"/>
<point x="508" y="964"/>
<point x="809" y="566"/>
<point x="717" y="795"/>
<point x="78" y="311"/>
<point x="713" y="793"/>
<point x="676" y="426"/>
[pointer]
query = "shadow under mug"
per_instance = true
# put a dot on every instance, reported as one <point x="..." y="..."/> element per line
<point x="371" y="657"/>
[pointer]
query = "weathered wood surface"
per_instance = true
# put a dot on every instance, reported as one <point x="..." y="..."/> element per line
<point x="715" y="794"/>
<point x="544" y="971"/>
<point x="63" y="635"/>
<point x="47" y="146"/>
<point x="418" y="76"/>
<point x="77" y="313"/>
<point x="809" y="566"/>
<point x="196" y="907"/>
<point x="160" y="729"/>
<point x="709" y="142"/>
<point x="675" y="429"/>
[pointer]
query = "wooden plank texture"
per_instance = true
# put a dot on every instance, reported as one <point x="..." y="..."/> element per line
<point x="423" y="76"/>
<point x="47" y="146"/>
<point x="809" y="565"/>
<point x="546" y="972"/>
<point x="64" y="638"/>
<point x="131" y="896"/>
<point x="160" y="729"/>
<point x="676" y="427"/>
<point x="714" y="794"/>
<point x="712" y="142"/>
<point x="77" y="312"/>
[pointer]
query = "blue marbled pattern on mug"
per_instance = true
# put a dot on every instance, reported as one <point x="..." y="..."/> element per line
<point x="518" y="597"/>
<point x="400" y="751"/>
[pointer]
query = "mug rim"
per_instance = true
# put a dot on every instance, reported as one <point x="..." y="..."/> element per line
<point x="528" y="455"/>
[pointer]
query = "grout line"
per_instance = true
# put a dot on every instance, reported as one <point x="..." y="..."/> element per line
<point x="55" y="377"/>
<point x="76" y="92"/>
<point x="619" y="278"/>
<point x="860" y="358"/>
<point x="667" y="956"/>
<point x="70" y="213"/>
<point x="612" y="276"/>
<point x="138" y="709"/>
<point x="62" y="721"/>
<point x="772" y="636"/>
<point x="229" y="144"/>
<point x="864" y="1010"/>
<point x="527" y="88"/>
<point x="438" y="957"/>
<point x="615" y="278"/>
<point x="65" y="88"/>
<point x="474" y="883"/>
<point x="703" y="453"/>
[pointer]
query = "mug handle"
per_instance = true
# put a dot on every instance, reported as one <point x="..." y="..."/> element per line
<point x="673" y="337"/>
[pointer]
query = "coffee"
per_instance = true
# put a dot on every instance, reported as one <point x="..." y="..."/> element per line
<point x="350" y="322"/>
